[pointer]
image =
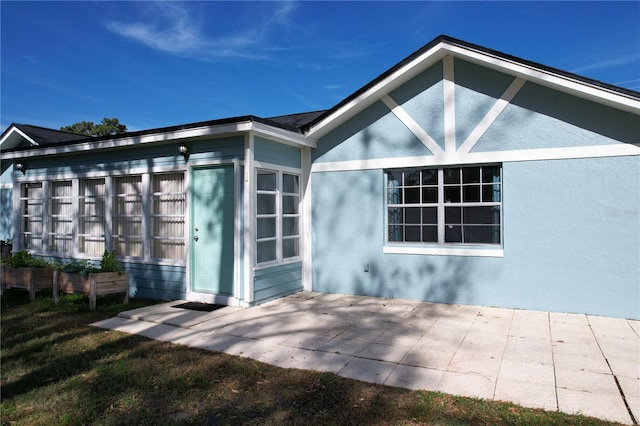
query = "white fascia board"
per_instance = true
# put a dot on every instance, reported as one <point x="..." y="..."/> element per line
<point x="559" y="82"/>
<point x="282" y="135"/>
<point x="428" y="58"/>
<point x="383" y="87"/>
<point x="13" y="134"/>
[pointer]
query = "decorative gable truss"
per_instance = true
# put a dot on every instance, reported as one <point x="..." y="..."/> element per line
<point x="504" y="115"/>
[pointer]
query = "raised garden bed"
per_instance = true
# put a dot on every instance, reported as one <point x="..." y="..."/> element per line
<point x="28" y="278"/>
<point x="93" y="284"/>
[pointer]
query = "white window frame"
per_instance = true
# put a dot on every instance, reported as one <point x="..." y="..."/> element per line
<point x="54" y="215"/>
<point x="441" y="247"/>
<point x="279" y="214"/>
<point x="157" y="216"/>
<point x="93" y="199"/>
<point x="75" y="252"/>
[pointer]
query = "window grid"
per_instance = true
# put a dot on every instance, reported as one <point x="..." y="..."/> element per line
<point x="127" y="219"/>
<point x="92" y="210"/>
<point x="32" y="215"/>
<point x="458" y="205"/>
<point x="60" y="235"/>
<point x="168" y="203"/>
<point x="277" y="216"/>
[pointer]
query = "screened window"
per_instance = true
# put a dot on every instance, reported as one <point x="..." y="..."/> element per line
<point x="457" y="205"/>
<point x="277" y="216"/>
<point x="91" y="217"/>
<point x="31" y="211"/>
<point x="61" y="217"/>
<point x="127" y="219"/>
<point x="168" y="203"/>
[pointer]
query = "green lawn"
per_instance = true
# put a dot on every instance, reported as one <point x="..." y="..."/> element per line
<point x="56" y="370"/>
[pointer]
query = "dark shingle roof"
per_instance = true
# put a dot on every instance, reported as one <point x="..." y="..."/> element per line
<point x="44" y="136"/>
<point x="296" y="120"/>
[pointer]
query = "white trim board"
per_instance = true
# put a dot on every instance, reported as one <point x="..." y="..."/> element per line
<point x="412" y="125"/>
<point x="617" y="150"/>
<point x="220" y="130"/>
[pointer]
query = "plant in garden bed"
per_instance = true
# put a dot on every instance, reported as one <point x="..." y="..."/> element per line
<point x="22" y="270"/>
<point x="84" y="277"/>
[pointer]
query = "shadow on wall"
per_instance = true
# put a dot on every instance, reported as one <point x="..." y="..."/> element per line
<point x="349" y="235"/>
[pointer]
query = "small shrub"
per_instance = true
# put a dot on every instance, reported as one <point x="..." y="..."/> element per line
<point x="24" y="259"/>
<point x="109" y="262"/>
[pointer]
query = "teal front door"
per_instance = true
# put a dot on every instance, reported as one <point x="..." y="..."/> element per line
<point x="212" y="230"/>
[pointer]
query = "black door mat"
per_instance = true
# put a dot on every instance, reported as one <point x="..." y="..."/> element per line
<point x="197" y="306"/>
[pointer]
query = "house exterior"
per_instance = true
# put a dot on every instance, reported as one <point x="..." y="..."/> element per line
<point x="460" y="175"/>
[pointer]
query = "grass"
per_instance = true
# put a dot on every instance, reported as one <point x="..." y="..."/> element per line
<point x="58" y="370"/>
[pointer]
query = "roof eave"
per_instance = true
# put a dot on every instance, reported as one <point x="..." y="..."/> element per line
<point x="214" y="130"/>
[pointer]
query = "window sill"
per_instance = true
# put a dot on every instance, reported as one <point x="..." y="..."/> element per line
<point x="445" y="251"/>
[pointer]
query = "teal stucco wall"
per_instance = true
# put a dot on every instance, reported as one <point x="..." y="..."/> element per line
<point x="570" y="226"/>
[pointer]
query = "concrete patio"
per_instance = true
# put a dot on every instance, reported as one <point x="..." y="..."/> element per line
<point x="555" y="361"/>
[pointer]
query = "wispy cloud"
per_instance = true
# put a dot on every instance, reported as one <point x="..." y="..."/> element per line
<point x="608" y="63"/>
<point x="176" y="31"/>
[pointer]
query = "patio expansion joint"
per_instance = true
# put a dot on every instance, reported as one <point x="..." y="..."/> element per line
<point x="553" y="362"/>
<point x="615" y="378"/>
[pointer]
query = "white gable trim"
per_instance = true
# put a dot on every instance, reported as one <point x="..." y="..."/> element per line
<point x="563" y="83"/>
<point x="412" y="125"/>
<point x="492" y="115"/>
<point x="12" y="134"/>
<point x="616" y="150"/>
<point x="431" y="56"/>
<point x="449" y="104"/>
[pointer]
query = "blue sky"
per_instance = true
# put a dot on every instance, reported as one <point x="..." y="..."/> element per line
<point x="155" y="64"/>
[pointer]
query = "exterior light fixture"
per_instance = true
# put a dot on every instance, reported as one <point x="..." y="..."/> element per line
<point x="184" y="151"/>
<point x="20" y="167"/>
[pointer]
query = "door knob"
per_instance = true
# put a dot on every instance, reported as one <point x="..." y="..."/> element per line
<point x="195" y="238"/>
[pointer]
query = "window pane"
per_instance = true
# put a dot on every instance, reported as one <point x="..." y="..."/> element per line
<point x="430" y="195"/>
<point x="430" y="215"/>
<point x="412" y="215"/>
<point x="451" y="194"/>
<point x="453" y="234"/>
<point x="290" y="204"/>
<point x="290" y="226"/>
<point x="394" y="196"/>
<point x="266" y="181"/>
<point x="412" y="178"/>
<point x="394" y="215"/>
<point x="482" y="234"/>
<point x="452" y="215"/>
<point x="266" y="227"/>
<point x="394" y="178"/>
<point x="290" y="248"/>
<point x="412" y="195"/>
<point x="491" y="174"/>
<point x="482" y="215"/>
<point x="491" y="193"/>
<point x="412" y="233"/>
<point x="266" y="204"/>
<point x="452" y="175"/>
<point x="266" y="251"/>
<point x="429" y="234"/>
<point x="471" y="194"/>
<point x="395" y="233"/>
<point x="430" y="177"/>
<point x="290" y="184"/>
<point x="471" y="175"/>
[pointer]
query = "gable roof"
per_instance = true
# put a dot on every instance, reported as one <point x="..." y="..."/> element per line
<point x="18" y="134"/>
<point x="442" y="46"/>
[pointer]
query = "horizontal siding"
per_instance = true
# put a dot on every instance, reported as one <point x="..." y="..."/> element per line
<point x="278" y="281"/>
<point x="267" y="151"/>
<point x="160" y="282"/>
